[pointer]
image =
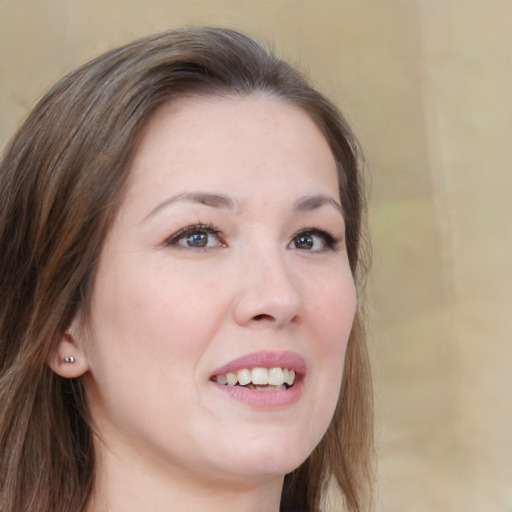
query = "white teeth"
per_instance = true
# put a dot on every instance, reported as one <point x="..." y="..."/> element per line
<point x="222" y="379"/>
<point x="276" y="377"/>
<point x="258" y="376"/>
<point x="244" y="377"/>
<point x="231" y="378"/>
<point x="267" y="388"/>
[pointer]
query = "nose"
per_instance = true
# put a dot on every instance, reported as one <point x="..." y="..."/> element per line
<point x="268" y="292"/>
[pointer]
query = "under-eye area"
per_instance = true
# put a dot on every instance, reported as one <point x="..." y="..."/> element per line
<point x="258" y="378"/>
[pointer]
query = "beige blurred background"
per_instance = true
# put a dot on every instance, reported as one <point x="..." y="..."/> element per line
<point x="427" y="86"/>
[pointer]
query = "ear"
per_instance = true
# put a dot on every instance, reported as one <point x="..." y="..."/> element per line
<point x="68" y="359"/>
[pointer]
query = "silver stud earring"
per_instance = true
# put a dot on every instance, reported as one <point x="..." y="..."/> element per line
<point x="69" y="359"/>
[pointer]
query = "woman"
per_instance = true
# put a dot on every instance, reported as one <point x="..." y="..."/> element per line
<point x="181" y="233"/>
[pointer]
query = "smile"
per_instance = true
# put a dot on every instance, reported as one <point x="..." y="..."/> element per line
<point x="265" y="380"/>
<point x="258" y="378"/>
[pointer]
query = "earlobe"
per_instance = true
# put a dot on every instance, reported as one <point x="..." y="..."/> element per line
<point x="68" y="360"/>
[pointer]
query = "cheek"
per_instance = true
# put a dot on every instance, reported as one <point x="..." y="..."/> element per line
<point x="333" y="313"/>
<point x="151" y="323"/>
<point x="145" y="342"/>
<point x="332" y="321"/>
<point x="134" y="297"/>
<point x="331" y="310"/>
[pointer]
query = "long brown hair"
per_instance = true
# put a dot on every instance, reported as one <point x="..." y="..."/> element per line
<point x="61" y="179"/>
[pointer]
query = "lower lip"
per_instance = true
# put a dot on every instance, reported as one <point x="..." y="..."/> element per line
<point x="264" y="399"/>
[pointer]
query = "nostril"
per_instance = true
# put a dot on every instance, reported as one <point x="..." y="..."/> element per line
<point x="263" y="317"/>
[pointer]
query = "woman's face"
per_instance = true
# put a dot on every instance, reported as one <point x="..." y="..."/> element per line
<point x="226" y="262"/>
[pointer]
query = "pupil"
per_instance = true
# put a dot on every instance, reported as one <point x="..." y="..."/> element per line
<point x="197" y="239"/>
<point x="305" y="242"/>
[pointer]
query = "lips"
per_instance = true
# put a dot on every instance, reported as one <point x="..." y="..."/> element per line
<point x="268" y="373"/>
<point x="264" y="359"/>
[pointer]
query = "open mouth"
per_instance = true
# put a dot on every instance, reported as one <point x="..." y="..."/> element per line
<point x="258" y="378"/>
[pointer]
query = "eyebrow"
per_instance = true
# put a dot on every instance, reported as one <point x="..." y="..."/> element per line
<point x="221" y="201"/>
<point x="309" y="203"/>
<point x="208" y="199"/>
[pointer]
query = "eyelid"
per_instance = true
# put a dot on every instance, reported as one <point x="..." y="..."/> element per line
<point x="331" y="242"/>
<point x="175" y="238"/>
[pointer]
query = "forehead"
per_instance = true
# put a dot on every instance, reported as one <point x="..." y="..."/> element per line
<point x="209" y="118"/>
<point x="240" y="144"/>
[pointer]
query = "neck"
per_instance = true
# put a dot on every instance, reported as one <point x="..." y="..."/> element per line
<point x="123" y="486"/>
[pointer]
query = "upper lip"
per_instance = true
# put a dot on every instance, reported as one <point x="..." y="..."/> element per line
<point x="264" y="359"/>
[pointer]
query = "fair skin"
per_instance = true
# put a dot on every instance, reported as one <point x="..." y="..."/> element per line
<point x="227" y="254"/>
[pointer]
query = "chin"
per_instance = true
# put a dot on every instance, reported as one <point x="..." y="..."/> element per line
<point x="266" y="455"/>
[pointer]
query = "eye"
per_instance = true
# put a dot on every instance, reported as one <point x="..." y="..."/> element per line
<point x="199" y="236"/>
<point x="314" y="240"/>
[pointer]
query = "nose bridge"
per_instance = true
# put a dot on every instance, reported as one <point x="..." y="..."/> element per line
<point x="276" y="275"/>
<point x="269" y="289"/>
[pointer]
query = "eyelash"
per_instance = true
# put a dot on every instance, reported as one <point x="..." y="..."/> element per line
<point x="208" y="229"/>
<point x="331" y="242"/>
